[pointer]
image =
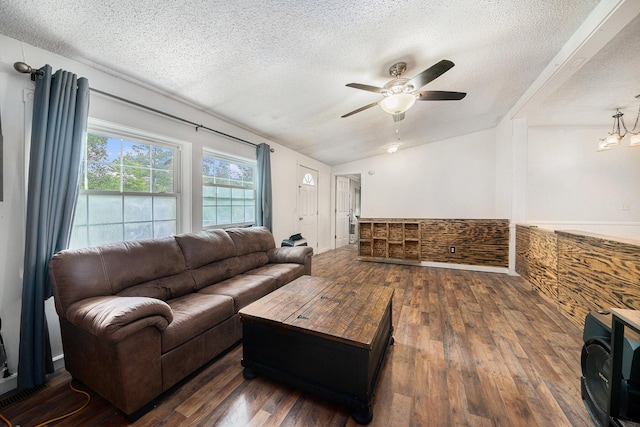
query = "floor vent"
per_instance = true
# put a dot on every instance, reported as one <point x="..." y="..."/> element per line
<point x="16" y="396"/>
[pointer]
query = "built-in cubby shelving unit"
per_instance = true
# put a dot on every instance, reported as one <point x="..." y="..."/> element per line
<point x="458" y="241"/>
<point x="386" y="239"/>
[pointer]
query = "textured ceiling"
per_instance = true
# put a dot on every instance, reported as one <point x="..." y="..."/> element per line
<point x="610" y="80"/>
<point x="279" y="68"/>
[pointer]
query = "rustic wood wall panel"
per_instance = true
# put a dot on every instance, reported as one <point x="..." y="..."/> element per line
<point x="596" y="272"/>
<point x="477" y="241"/>
<point x="537" y="258"/>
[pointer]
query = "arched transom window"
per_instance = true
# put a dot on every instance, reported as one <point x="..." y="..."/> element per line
<point x="307" y="179"/>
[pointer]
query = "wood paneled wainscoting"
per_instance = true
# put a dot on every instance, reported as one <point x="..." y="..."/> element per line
<point x="477" y="242"/>
<point x="537" y="259"/>
<point x="580" y="271"/>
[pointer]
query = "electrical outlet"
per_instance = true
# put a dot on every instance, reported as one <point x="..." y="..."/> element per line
<point x="452" y="249"/>
<point x="625" y="206"/>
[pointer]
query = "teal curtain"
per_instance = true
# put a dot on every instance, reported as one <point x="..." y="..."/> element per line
<point x="58" y="133"/>
<point x="263" y="186"/>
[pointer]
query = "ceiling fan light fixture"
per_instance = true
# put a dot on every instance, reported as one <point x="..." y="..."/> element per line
<point x="602" y="146"/>
<point x="619" y="131"/>
<point x="612" y="140"/>
<point x="398" y="103"/>
<point x="391" y="148"/>
<point x="401" y="93"/>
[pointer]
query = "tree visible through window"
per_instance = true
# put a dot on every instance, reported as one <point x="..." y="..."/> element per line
<point x="128" y="192"/>
<point x="228" y="191"/>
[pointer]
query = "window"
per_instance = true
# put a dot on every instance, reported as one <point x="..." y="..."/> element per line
<point x="228" y="191"/>
<point x="308" y="179"/>
<point x="128" y="191"/>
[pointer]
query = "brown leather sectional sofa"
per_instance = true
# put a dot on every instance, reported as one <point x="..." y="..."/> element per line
<point x="137" y="317"/>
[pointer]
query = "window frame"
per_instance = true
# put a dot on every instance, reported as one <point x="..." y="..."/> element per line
<point x="112" y="130"/>
<point x="209" y="153"/>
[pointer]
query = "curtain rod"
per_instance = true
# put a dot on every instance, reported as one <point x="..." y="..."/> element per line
<point x="21" y="67"/>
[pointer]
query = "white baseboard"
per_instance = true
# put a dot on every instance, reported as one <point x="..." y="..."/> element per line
<point x="8" y="384"/>
<point x="58" y="362"/>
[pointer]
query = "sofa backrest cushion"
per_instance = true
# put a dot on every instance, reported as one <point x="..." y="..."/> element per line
<point x="251" y="239"/>
<point x="252" y="244"/>
<point x="152" y="268"/>
<point x="210" y="256"/>
<point x="205" y="247"/>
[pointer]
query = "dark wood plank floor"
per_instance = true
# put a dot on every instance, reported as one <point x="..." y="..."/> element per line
<point x="471" y="349"/>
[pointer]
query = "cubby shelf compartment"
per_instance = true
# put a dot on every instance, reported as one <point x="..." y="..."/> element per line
<point x="412" y="231"/>
<point x="365" y="231"/>
<point x="396" y="250"/>
<point x="365" y="249"/>
<point x="412" y="250"/>
<point x="379" y="248"/>
<point x="395" y="232"/>
<point x="380" y="230"/>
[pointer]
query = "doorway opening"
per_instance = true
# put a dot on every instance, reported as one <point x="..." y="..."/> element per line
<point x="348" y="202"/>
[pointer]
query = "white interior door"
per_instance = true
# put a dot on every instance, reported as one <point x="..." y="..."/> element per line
<point x="308" y="205"/>
<point x="343" y="210"/>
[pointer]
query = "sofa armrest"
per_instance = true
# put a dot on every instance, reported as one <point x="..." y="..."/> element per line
<point x="113" y="318"/>
<point x="290" y="254"/>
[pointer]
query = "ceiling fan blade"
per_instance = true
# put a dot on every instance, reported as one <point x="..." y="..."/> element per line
<point x="373" y="104"/>
<point x="439" y="95"/>
<point x="366" y="87"/>
<point x="431" y="73"/>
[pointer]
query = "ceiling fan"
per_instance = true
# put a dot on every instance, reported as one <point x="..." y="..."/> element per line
<point x="401" y="93"/>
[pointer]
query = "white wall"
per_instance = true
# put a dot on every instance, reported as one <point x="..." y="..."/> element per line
<point x="453" y="178"/>
<point x="504" y="168"/>
<point x="571" y="186"/>
<point x="284" y="163"/>
<point x="284" y="171"/>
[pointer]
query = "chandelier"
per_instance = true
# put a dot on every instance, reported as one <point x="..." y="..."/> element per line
<point x="619" y="131"/>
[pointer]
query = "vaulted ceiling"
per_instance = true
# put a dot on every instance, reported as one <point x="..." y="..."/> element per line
<point x="279" y="68"/>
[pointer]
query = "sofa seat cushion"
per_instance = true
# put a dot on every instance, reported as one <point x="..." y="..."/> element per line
<point x="283" y="273"/>
<point x="244" y="289"/>
<point x="192" y="315"/>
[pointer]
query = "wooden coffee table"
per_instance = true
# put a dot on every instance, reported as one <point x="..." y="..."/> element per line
<point x="322" y="336"/>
